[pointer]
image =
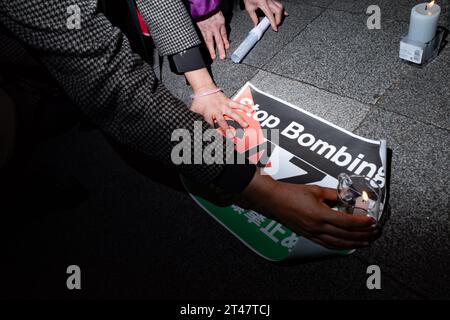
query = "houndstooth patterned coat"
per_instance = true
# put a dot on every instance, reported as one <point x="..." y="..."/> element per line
<point x="96" y="68"/>
<point x="170" y="25"/>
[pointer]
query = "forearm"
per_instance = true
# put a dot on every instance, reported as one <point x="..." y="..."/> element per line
<point x="258" y="194"/>
<point x="200" y="80"/>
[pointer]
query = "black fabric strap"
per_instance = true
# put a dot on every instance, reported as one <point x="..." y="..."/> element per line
<point x="188" y="60"/>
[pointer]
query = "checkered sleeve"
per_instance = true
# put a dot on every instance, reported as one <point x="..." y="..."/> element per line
<point x="170" y="25"/>
<point x="96" y="67"/>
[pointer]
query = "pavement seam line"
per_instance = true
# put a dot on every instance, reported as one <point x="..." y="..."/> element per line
<point x="294" y="37"/>
<point x="371" y="106"/>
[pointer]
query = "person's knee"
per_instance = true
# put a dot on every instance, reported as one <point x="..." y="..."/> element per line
<point x="7" y="127"/>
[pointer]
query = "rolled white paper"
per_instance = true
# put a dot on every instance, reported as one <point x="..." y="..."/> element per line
<point x="423" y="22"/>
<point x="253" y="37"/>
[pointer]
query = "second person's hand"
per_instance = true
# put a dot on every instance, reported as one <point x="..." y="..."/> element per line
<point x="273" y="10"/>
<point x="214" y="33"/>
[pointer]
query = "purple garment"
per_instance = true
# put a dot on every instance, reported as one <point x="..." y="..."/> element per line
<point x="201" y="8"/>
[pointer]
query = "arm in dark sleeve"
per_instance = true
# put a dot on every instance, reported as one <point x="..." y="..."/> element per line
<point x="235" y="178"/>
<point x="173" y="33"/>
<point x="113" y="86"/>
<point x="226" y="188"/>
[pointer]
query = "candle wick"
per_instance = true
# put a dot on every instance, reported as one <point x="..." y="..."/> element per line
<point x="426" y="7"/>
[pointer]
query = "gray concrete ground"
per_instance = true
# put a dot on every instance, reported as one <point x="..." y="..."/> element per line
<point x="143" y="239"/>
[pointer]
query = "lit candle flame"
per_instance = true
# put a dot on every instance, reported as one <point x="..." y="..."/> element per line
<point x="365" y="196"/>
<point x="429" y="5"/>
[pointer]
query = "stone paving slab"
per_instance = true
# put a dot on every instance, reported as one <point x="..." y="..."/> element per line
<point x="345" y="112"/>
<point x="338" y="53"/>
<point x="317" y="3"/>
<point x="415" y="244"/>
<point x="424" y="93"/>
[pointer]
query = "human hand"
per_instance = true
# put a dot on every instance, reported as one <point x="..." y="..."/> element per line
<point x="214" y="32"/>
<point x="302" y="208"/>
<point x="273" y="10"/>
<point x="213" y="108"/>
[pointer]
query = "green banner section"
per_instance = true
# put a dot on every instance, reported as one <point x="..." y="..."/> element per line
<point x="266" y="237"/>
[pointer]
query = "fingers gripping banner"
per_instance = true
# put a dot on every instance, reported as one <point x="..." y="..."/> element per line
<point x="307" y="150"/>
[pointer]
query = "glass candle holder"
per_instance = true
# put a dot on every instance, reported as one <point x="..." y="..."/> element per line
<point x="357" y="196"/>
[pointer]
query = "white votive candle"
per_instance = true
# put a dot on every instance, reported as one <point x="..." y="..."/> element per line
<point x="361" y="204"/>
<point x="423" y="22"/>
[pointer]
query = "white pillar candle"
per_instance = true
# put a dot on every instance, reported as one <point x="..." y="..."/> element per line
<point x="423" y="22"/>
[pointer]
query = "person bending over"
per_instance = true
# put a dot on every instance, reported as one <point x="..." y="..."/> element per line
<point x="95" y="66"/>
